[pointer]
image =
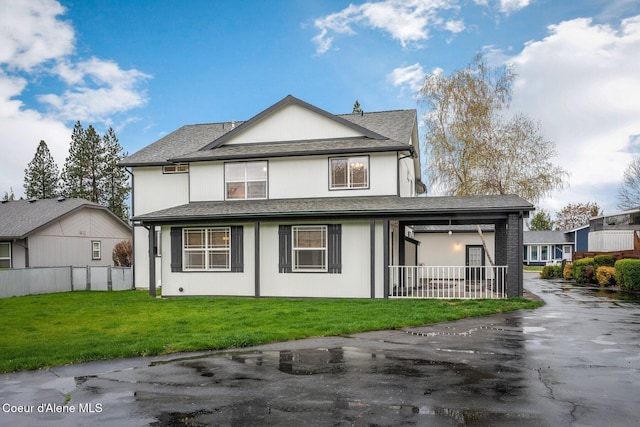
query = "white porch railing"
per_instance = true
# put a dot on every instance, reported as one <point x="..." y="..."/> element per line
<point x="447" y="282"/>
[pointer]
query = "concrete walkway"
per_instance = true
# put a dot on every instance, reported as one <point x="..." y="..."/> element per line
<point x="576" y="361"/>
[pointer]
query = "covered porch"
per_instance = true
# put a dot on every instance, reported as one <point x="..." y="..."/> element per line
<point x="468" y="253"/>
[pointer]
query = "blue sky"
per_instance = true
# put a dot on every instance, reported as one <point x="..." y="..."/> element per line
<point x="148" y="67"/>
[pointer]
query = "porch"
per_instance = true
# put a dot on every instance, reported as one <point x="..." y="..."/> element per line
<point x="448" y="282"/>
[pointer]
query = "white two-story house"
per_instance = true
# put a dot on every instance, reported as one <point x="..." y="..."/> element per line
<point x="299" y="202"/>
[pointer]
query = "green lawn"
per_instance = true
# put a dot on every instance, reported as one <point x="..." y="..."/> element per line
<point x="56" y="329"/>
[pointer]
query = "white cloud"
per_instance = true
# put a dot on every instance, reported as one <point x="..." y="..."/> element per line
<point x="101" y="88"/>
<point x="508" y="6"/>
<point x="31" y="34"/>
<point x="36" y="43"/>
<point x="411" y="77"/>
<point x="455" y="26"/>
<point x="581" y="82"/>
<point x="408" y="21"/>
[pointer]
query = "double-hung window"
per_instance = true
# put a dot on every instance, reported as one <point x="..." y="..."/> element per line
<point x="207" y="248"/>
<point x="245" y="180"/>
<point x="96" y="250"/>
<point x="309" y="247"/>
<point x="5" y="255"/>
<point x="348" y="172"/>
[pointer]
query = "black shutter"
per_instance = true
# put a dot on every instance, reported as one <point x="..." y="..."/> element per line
<point x="284" y="256"/>
<point x="237" y="248"/>
<point x="334" y="249"/>
<point x="176" y="248"/>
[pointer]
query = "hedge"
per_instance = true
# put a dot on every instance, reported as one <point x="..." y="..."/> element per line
<point x="551" y="272"/>
<point x="627" y="274"/>
<point x="604" y="261"/>
<point x="568" y="271"/>
<point x="606" y="275"/>
<point x="584" y="270"/>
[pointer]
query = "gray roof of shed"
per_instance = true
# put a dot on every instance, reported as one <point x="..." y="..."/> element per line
<point x="547" y="237"/>
<point x="19" y="218"/>
<point x="338" y="206"/>
<point x="194" y="142"/>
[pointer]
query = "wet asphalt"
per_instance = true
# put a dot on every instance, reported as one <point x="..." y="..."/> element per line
<point x="573" y="362"/>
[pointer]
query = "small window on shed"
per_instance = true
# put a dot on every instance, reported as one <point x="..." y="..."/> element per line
<point x="96" y="249"/>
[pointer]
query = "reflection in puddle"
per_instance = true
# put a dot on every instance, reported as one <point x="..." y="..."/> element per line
<point x="533" y="329"/>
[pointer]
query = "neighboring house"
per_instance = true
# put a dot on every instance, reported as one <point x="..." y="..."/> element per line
<point x="297" y="202"/>
<point x="541" y="247"/>
<point x="615" y="232"/>
<point x="58" y="232"/>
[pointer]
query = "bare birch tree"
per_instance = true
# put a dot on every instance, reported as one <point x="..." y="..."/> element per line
<point x="473" y="144"/>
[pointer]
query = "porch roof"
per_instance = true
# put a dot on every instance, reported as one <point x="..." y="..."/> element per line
<point x="414" y="208"/>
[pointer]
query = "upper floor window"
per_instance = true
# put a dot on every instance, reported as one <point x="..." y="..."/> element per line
<point x="348" y="172"/>
<point x="179" y="168"/>
<point x="245" y="180"/>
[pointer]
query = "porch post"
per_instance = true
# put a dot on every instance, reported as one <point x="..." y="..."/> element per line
<point x="385" y="257"/>
<point x="256" y="230"/>
<point x="372" y="261"/>
<point x="515" y="253"/>
<point x="152" y="261"/>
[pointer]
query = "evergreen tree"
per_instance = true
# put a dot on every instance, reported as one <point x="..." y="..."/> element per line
<point x="8" y="195"/>
<point x="541" y="221"/>
<point x="91" y="170"/>
<point x="76" y="169"/>
<point x="356" y="108"/>
<point x="115" y="188"/>
<point x="41" y="179"/>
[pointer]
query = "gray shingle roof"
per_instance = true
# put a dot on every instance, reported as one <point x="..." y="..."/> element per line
<point x="294" y="148"/>
<point x="338" y="206"/>
<point x="188" y="142"/>
<point x="185" y="140"/>
<point x="547" y="237"/>
<point x="19" y="218"/>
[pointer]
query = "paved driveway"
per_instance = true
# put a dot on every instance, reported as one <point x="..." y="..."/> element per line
<point x="575" y="361"/>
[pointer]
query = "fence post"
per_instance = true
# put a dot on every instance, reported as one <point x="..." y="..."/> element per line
<point x="109" y="282"/>
<point x="71" y="277"/>
<point x="88" y="271"/>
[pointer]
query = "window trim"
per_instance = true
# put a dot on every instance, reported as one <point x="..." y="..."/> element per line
<point x="245" y="181"/>
<point x="9" y="258"/>
<point x="349" y="186"/>
<point x="95" y="256"/>
<point x="294" y="266"/>
<point x="206" y="248"/>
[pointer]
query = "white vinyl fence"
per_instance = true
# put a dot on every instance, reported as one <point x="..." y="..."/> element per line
<point x="47" y="280"/>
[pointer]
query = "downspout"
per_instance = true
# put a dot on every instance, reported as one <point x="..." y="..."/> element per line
<point x="152" y="260"/>
<point x="412" y="155"/>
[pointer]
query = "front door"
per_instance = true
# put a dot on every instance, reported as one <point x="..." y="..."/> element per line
<point x="474" y="260"/>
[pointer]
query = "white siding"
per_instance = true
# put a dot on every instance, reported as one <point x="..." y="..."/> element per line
<point x="297" y="177"/>
<point x="353" y="282"/>
<point x="610" y="240"/>
<point x="442" y="249"/>
<point x="293" y="123"/>
<point x="155" y="190"/>
<point x="407" y="177"/>
<point x="210" y="283"/>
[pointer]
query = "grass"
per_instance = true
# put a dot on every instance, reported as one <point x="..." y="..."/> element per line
<point x="47" y="330"/>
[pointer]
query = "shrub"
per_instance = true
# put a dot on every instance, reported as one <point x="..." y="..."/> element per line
<point x="583" y="270"/>
<point x="551" y="272"/>
<point x="604" y="260"/>
<point x="568" y="271"/>
<point x="122" y="254"/>
<point x="606" y="275"/>
<point x="627" y="274"/>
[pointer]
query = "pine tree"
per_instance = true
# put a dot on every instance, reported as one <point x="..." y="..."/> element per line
<point x="76" y="169"/>
<point x="41" y="178"/>
<point x="83" y="171"/>
<point x="115" y="188"/>
<point x="356" y="108"/>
